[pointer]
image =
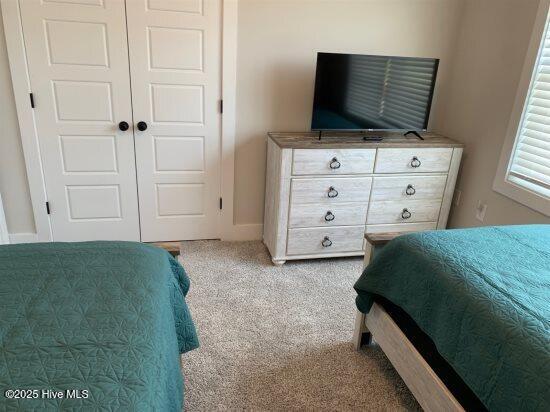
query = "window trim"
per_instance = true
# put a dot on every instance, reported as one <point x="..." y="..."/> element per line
<point x="502" y="182"/>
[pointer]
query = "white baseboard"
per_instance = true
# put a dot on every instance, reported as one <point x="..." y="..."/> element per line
<point x="23" y="238"/>
<point x="253" y="231"/>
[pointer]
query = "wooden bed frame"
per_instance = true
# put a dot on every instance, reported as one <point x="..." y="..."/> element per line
<point x="430" y="392"/>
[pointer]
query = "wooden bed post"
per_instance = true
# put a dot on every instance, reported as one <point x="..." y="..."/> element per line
<point x="361" y="335"/>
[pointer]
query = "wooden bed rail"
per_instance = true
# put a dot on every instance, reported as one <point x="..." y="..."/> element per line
<point x="430" y="392"/>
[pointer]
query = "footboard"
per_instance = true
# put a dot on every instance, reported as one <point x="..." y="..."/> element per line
<point x="422" y="381"/>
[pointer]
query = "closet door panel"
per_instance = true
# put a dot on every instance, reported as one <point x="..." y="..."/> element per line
<point x="175" y="62"/>
<point x="78" y="69"/>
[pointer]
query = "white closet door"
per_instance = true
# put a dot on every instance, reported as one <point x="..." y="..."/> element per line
<point x="175" y="59"/>
<point x="78" y="62"/>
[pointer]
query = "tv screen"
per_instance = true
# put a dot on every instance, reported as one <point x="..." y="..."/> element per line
<point x="361" y="92"/>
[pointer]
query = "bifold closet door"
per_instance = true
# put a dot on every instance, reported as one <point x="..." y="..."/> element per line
<point x="78" y="68"/>
<point x="175" y="66"/>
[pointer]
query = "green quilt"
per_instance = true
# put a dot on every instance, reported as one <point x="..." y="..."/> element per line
<point x="483" y="296"/>
<point x="101" y="324"/>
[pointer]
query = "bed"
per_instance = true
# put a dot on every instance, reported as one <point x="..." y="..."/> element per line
<point x="93" y="325"/>
<point x="481" y="297"/>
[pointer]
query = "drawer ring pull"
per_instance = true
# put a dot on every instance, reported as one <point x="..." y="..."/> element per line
<point x="334" y="163"/>
<point x="406" y="214"/>
<point x="332" y="192"/>
<point x="329" y="217"/>
<point x="415" y="162"/>
<point x="326" y="242"/>
<point x="410" y="190"/>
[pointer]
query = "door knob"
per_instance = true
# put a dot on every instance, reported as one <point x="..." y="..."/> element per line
<point x="123" y="126"/>
<point x="142" y="126"/>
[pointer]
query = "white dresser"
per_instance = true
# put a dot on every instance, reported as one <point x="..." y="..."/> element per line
<point x="323" y="195"/>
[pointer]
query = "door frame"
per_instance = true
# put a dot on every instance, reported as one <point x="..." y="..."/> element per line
<point x="15" y="44"/>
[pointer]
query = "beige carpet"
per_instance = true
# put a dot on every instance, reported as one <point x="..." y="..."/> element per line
<point x="279" y="338"/>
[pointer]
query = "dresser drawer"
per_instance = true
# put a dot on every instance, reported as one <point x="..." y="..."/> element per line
<point x="333" y="161"/>
<point x="320" y="240"/>
<point x="341" y="214"/>
<point x="330" y="190"/>
<point x="412" y="160"/>
<point x="405" y="211"/>
<point x="408" y="188"/>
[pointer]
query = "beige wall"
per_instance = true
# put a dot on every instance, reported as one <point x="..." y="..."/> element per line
<point x="277" y="46"/>
<point x="482" y="44"/>
<point x="13" y="177"/>
<point x="488" y="60"/>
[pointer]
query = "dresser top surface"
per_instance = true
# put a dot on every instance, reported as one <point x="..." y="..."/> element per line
<point x="343" y="140"/>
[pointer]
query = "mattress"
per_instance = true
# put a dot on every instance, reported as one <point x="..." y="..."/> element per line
<point x="93" y="325"/>
<point x="482" y="296"/>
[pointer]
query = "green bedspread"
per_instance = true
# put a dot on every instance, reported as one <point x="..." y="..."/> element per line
<point x="483" y="296"/>
<point x="108" y="318"/>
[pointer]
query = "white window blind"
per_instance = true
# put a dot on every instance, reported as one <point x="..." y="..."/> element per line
<point x="530" y="160"/>
<point x="366" y="87"/>
<point x="390" y="92"/>
<point x="408" y="90"/>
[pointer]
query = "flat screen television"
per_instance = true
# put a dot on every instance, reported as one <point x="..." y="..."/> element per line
<point x="362" y="92"/>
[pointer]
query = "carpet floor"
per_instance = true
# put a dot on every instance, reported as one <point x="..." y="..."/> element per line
<point x="279" y="338"/>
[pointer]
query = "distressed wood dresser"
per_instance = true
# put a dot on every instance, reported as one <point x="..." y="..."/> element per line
<point x="323" y="195"/>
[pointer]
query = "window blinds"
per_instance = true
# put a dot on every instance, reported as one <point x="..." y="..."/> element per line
<point x="530" y="165"/>
<point x="408" y="89"/>
<point x="366" y="87"/>
<point x="390" y="92"/>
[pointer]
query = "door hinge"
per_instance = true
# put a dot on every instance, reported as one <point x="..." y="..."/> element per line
<point x="221" y="203"/>
<point x="32" y="99"/>
<point x="48" y="208"/>
<point x="221" y="106"/>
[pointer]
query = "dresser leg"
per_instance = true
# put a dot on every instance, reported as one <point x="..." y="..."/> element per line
<point x="278" y="262"/>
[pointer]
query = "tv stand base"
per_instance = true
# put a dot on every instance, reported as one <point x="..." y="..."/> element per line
<point x="415" y="133"/>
